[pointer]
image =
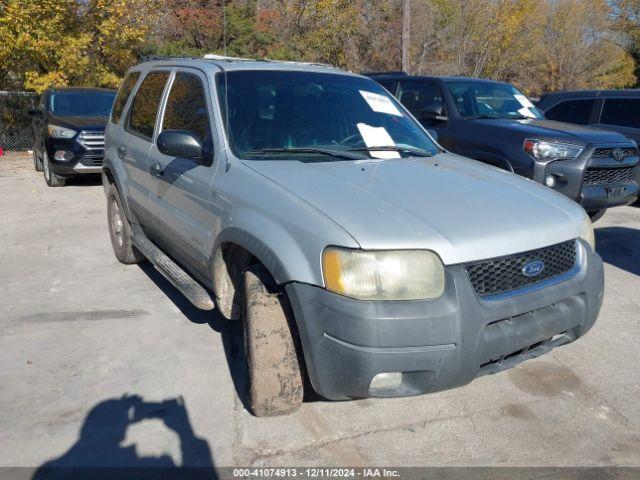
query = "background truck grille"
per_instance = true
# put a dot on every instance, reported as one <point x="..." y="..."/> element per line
<point x="91" y="140"/>
<point x="607" y="152"/>
<point x="92" y="160"/>
<point x="504" y="274"/>
<point x="605" y="176"/>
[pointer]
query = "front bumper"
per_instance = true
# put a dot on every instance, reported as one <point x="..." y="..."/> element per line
<point x="570" y="175"/>
<point x="441" y="343"/>
<point x="82" y="159"/>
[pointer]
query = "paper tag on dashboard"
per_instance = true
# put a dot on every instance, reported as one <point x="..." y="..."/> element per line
<point x="525" y="111"/>
<point x="377" y="137"/>
<point x="380" y="103"/>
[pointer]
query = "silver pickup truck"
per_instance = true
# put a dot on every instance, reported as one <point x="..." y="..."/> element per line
<point x="309" y="204"/>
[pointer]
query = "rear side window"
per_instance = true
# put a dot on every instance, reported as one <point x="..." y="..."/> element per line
<point x="621" y="111"/>
<point x="420" y="96"/>
<point x="123" y="94"/>
<point x="571" y="111"/>
<point x="144" y="108"/>
<point x="187" y="107"/>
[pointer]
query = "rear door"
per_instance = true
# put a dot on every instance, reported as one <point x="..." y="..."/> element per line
<point x="622" y="115"/>
<point x="136" y="141"/>
<point x="181" y="188"/>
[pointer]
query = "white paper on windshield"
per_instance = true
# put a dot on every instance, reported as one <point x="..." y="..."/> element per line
<point x="377" y="137"/>
<point x="525" y="111"/>
<point x="380" y="103"/>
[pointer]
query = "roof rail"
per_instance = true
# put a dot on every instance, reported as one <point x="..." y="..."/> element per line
<point x="213" y="56"/>
<point x="149" y="58"/>
<point x="293" y="62"/>
<point x="392" y="72"/>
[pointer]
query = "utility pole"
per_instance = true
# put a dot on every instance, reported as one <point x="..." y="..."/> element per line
<point x="406" y="33"/>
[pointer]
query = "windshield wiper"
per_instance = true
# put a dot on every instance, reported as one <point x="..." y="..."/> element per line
<point x="394" y="148"/>
<point x="322" y="151"/>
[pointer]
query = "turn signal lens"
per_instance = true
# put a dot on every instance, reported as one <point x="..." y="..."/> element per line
<point x="383" y="275"/>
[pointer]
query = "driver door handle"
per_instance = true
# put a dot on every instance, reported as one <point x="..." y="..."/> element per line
<point x="157" y="170"/>
<point x="122" y="152"/>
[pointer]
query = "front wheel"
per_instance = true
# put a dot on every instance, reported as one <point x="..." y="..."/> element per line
<point x="37" y="163"/>
<point x="275" y="373"/>
<point x="52" y="179"/>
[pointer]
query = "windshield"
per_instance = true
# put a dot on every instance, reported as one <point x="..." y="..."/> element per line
<point x="81" y="104"/>
<point x="289" y="114"/>
<point x="491" y="100"/>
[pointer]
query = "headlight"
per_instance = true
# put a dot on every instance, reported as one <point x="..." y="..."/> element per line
<point x="587" y="232"/>
<point x="60" y="132"/>
<point x="551" y="150"/>
<point x="383" y="275"/>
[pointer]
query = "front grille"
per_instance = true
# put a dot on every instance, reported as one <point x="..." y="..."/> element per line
<point x="608" y="152"/>
<point x="505" y="274"/>
<point x="91" y="140"/>
<point x="607" y="176"/>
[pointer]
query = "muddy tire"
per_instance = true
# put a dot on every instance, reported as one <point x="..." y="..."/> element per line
<point x="270" y="338"/>
<point x="52" y="179"/>
<point x="120" y="230"/>
<point x="37" y="163"/>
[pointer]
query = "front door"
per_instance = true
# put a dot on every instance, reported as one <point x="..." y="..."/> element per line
<point x="181" y="190"/>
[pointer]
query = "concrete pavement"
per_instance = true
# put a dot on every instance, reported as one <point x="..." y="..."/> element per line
<point x="106" y="364"/>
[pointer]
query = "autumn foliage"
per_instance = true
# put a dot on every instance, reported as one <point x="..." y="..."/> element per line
<point x="540" y="45"/>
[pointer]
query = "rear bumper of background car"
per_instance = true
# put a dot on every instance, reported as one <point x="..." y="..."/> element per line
<point x="442" y="343"/>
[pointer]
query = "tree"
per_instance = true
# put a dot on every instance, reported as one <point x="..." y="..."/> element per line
<point x="66" y="42"/>
<point x="627" y="21"/>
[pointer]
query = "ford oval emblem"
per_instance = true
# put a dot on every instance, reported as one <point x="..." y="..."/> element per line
<point x="533" y="269"/>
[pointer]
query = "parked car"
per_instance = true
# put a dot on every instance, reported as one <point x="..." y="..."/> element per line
<point x="68" y="132"/>
<point x="495" y="123"/>
<point x="307" y="202"/>
<point x="617" y="110"/>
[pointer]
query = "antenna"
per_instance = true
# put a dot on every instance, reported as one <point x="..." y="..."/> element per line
<point x="224" y="25"/>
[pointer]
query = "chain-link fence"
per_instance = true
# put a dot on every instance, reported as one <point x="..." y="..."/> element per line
<point x="15" y="131"/>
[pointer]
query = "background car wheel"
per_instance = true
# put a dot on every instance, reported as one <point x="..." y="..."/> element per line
<point x="597" y="215"/>
<point x="120" y="230"/>
<point x="50" y="176"/>
<point x="275" y="373"/>
<point x="37" y="163"/>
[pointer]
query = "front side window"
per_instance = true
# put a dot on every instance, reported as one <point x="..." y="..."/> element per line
<point x="474" y="99"/>
<point x="187" y="107"/>
<point x="281" y="112"/>
<point x="81" y="103"/>
<point x="572" y="111"/>
<point x="122" y="96"/>
<point x="421" y="96"/>
<point x="624" y="112"/>
<point x="144" y="108"/>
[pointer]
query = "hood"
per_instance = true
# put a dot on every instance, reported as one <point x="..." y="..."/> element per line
<point x="79" y="122"/>
<point x="459" y="208"/>
<point x="551" y="130"/>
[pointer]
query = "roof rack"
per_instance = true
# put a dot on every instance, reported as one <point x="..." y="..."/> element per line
<point x="213" y="56"/>
<point x="149" y="58"/>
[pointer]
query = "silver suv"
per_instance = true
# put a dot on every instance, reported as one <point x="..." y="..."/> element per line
<point x="310" y="204"/>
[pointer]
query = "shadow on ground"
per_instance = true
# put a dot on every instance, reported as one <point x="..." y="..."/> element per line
<point x="101" y="451"/>
<point x="230" y="331"/>
<point x="620" y="247"/>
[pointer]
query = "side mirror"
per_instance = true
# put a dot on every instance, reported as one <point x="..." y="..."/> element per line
<point x="433" y="113"/>
<point x="35" y="112"/>
<point x="181" y="144"/>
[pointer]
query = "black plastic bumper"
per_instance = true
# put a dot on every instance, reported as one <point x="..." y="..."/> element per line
<point x="81" y="160"/>
<point x="442" y="343"/>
